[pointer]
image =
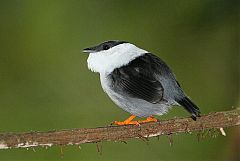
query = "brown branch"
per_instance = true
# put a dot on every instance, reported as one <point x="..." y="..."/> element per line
<point x="119" y="133"/>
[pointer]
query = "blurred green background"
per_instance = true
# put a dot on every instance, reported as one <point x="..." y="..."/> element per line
<point x="45" y="83"/>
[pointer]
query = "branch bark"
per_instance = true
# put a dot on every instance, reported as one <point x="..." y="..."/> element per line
<point x="119" y="133"/>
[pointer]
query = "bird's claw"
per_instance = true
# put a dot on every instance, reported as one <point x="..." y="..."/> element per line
<point x="130" y="122"/>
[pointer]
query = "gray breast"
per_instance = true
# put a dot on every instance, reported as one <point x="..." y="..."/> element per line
<point x="137" y="87"/>
<point x="134" y="106"/>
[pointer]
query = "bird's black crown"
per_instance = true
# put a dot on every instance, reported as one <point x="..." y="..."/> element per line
<point x="104" y="46"/>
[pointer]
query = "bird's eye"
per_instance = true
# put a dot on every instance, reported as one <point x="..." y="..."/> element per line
<point x="106" y="47"/>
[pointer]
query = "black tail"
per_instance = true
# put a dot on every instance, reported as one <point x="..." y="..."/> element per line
<point x="190" y="107"/>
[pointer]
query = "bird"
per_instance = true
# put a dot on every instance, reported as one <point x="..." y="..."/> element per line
<point x="137" y="81"/>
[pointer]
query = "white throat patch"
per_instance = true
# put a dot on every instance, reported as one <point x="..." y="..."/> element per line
<point x="107" y="60"/>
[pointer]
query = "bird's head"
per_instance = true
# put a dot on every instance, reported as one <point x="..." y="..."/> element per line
<point x="107" y="56"/>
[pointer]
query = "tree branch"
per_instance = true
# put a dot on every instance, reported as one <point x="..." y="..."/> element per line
<point x="119" y="133"/>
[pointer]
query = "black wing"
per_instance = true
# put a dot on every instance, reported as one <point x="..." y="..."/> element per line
<point x="137" y="79"/>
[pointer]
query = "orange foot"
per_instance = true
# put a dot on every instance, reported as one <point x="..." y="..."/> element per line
<point x="130" y="122"/>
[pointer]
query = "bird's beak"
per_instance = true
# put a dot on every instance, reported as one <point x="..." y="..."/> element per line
<point x="89" y="50"/>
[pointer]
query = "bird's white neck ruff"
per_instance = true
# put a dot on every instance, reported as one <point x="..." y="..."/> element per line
<point x="106" y="61"/>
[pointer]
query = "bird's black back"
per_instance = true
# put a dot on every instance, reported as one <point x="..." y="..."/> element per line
<point x="140" y="79"/>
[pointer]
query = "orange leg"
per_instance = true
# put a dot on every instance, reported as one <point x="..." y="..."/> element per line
<point x="149" y="119"/>
<point x="130" y="122"/>
<point x="127" y="121"/>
